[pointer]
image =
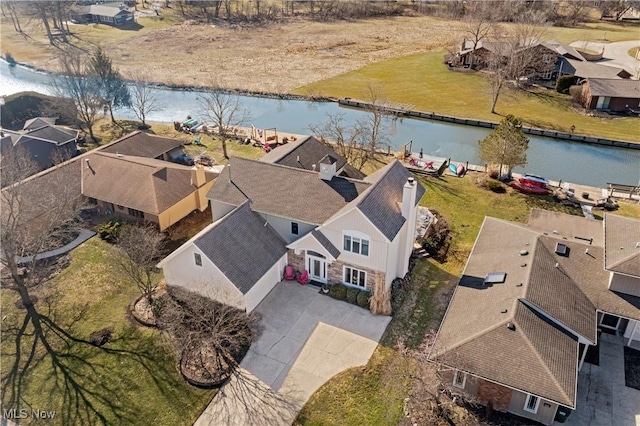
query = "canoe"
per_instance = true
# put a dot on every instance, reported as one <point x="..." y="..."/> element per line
<point x="529" y="189"/>
<point x="461" y="170"/>
<point x="453" y="168"/>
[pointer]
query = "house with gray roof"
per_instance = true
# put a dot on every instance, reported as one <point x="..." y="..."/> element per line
<point x="306" y="153"/>
<point x="353" y="231"/>
<point x="42" y="140"/>
<point x="110" y="14"/>
<point x="531" y="301"/>
<point x="617" y="95"/>
<point x="148" y="145"/>
<point x="237" y="259"/>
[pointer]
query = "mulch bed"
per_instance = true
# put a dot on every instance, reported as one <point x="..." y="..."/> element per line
<point x="142" y="312"/>
<point x="202" y="366"/>
<point x="632" y="368"/>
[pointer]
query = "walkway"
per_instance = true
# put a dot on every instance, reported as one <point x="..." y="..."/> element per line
<point x="84" y="236"/>
<point x="307" y="338"/>
<point x="603" y="399"/>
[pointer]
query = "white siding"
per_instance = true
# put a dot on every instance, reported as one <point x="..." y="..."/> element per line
<point x="283" y="227"/>
<point x="265" y="284"/>
<point x="394" y="266"/>
<point x="206" y="280"/>
<point x="356" y="221"/>
<point x="219" y="209"/>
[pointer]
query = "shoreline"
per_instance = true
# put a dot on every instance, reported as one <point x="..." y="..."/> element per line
<point x="361" y="105"/>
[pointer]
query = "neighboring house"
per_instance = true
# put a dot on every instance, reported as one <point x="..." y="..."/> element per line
<point x="585" y="69"/>
<point x="144" y="189"/>
<point x="529" y="304"/>
<point x="353" y="231"/>
<point x="42" y="140"/>
<point x="141" y="144"/>
<point x="102" y="13"/>
<point x="237" y="259"/>
<point x="611" y="95"/>
<point x="306" y="153"/>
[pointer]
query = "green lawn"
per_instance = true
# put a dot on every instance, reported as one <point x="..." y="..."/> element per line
<point x="423" y="82"/>
<point x="133" y="380"/>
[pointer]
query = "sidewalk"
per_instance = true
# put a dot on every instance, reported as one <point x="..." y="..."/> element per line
<point x="84" y="236"/>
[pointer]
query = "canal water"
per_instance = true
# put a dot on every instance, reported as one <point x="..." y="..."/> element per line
<point x="576" y="162"/>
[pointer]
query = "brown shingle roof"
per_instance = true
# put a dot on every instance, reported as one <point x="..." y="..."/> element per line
<point x="144" y="184"/>
<point x="284" y="191"/>
<point x="615" y="88"/>
<point x="142" y="144"/>
<point x="622" y="236"/>
<point x="575" y="228"/>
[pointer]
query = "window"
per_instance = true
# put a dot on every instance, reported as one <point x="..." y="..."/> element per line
<point x="531" y="404"/>
<point x="356" y="245"/>
<point x="459" y="379"/>
<point x="197" y="258"/>
<point x="294" y="228"/>
<point x="355" y="277"/>
<point x="136" y="213"/>
<point x="547" y="74"/>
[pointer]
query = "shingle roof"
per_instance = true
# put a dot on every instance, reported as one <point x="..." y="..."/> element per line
<point x="106" y="10"/>
<point x="381" y="203"/>
<point x="567" y="226"/>
<point x="584" y="69"/>
<point x="142" y="144"/>
<point x="242" y="247"/>
<point x="304" y="153"/>
<point x="622" y="88"/>
<point x="563" y="49"/>
<point x="570" y="293"/>
<point x="324" y="241"/>
<point x="53" y="134"/>
<point x="284" y="191"/>
<point x="622" y="253"/>
<point x="37" y="122"/>
<point x="144" y="184"/>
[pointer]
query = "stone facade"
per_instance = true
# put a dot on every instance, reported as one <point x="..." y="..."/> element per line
<point x="498" y="396"/>
<point x="295" y="260"/>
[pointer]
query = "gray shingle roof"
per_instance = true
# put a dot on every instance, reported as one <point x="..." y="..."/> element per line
<point x="304" y="153"/>
<point x="615" y="88"/>
<point x="284" y="191"/>
<point x="622" y="250"/>
<point x="144" y="184"/>
<point x="584" y="69"/>
<point x="563" y="49"/>
<point x="142" y="144"/>
<point x="107" y="10"/>
<point x="37" y="122"/>
<point x="381" y="204"/>
<point x="53" y="134"/>
<point x="242" y="247"/>
<point x="324" y="241"/>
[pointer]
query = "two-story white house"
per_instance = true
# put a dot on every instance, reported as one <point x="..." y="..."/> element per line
<point x="352" y="231"/>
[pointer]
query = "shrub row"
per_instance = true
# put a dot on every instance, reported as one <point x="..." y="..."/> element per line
<point x="350" y="294"/>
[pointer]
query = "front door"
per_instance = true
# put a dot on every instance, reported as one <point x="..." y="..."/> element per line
<point x="317" y="266"/>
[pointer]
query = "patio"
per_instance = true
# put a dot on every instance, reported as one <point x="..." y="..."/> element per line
<point x="603" y="399"/>
<point x="307" y="338"/>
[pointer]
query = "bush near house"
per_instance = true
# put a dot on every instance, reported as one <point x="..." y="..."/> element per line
<point x="495" y="186"/>
<point x="110" y="230"/>
<point x="363" y="299"/>
<point x="564" y="82"/>
<point x="338" y="291"/>
<point x="352" y="295"/>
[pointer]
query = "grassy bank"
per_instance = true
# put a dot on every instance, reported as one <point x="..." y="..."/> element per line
<point x="423" y="82"/>
<point x="133" y="380"/>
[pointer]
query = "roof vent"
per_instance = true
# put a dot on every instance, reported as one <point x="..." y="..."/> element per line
<point x="562" y="249"/>
<point x="519" y="285"/>
<point x="523" y="252"/>
<point x="557" y="265"/>
<point x="495" y="277"/>
<point x="504" y="311"/>
<point x="511" y="326"/>
<point x="313" y="167"/>
<point x="410" y="180"/>
<point x="554" y="232"/>
<point x="523" y="265"/>
<point x="638" y="244"/>
<point x="586" y="251"/>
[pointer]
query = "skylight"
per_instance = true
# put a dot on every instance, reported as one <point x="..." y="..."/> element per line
<point x="562" y="249"/>
<point x="495" y="277"/>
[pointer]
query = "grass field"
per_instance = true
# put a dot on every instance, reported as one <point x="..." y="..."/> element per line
<point x="425" y="83"/>
<point x="133" y="380"/>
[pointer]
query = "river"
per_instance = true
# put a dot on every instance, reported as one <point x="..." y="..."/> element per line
<point x="576" y="162"/>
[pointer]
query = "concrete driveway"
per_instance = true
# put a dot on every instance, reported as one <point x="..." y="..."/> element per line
<point x="307" y="338"/>
<point x="615" y="54"/>
<point x="603" y="399"/>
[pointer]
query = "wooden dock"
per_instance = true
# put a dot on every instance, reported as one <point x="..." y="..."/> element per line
<point x="420" y="166"/>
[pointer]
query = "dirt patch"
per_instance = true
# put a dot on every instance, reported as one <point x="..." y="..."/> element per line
<point x="276" y="58"/>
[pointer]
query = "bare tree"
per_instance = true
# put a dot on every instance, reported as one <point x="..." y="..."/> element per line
<point x="479" y="25"/>
<point x="9" y="10"/>
<point x="75" y="83"/>
<point x="144" y="100"/>
<point x="348" y="141"/>
<point x="140" y="249"/>
<point x="373" y="124"/>
<point x="224" y="110"/>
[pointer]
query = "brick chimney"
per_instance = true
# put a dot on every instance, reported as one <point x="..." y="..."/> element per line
<point x="327" y="167"/>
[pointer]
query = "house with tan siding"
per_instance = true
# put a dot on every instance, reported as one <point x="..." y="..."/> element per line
<point x="531" y="300"/>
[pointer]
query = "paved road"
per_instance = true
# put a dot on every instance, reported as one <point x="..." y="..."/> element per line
<point x="615" y="54"/>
